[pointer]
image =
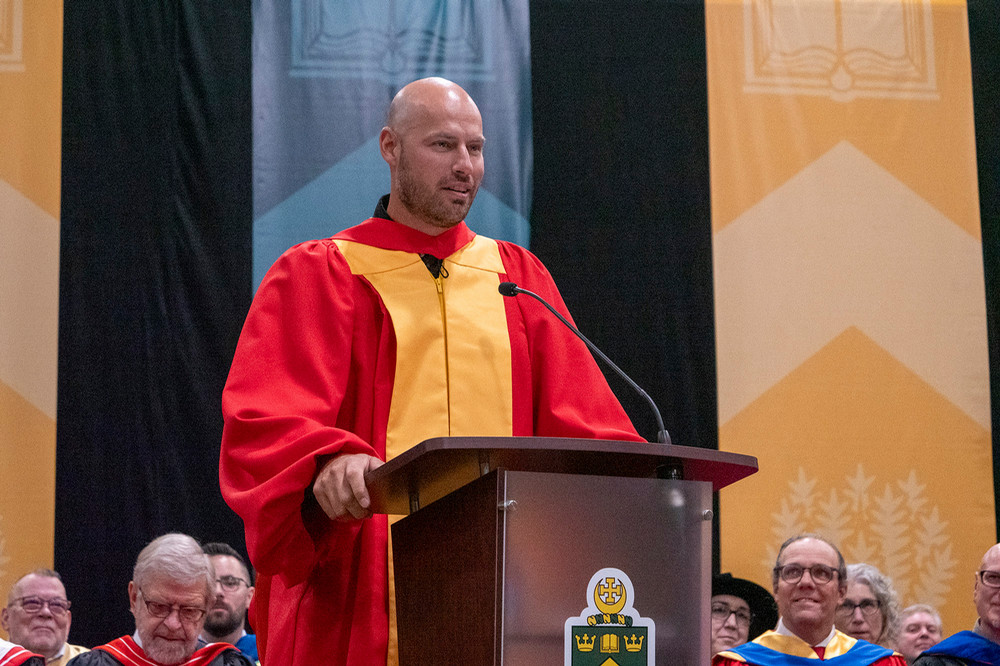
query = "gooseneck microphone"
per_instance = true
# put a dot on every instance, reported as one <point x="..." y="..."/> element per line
<point x="511" y="290"/>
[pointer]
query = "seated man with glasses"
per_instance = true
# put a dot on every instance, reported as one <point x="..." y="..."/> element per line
<point x="741" y="611"/>
<point x="809" y="581"/>
<point x="870" y="610"/>
<point x="226" y="620"/>
<point x="982" y="644"/>
<point x="173" y="586"/>
<point x="37" y="617"/>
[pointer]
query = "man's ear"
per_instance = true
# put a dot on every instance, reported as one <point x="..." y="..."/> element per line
<point x="133" y="590"/>
<point x="388" y="145"/>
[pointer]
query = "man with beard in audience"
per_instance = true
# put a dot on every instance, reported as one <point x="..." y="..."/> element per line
<point x="226" y="620"/>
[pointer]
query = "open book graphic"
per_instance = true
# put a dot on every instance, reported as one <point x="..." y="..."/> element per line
<point x="11" y="35"/>
<point x="840" y="48"/>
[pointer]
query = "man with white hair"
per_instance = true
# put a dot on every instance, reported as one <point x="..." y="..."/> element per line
<point x="919" y="629"/>
<point x="172" y="589"/>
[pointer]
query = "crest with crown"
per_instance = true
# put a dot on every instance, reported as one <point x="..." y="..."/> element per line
<point x="609" y="631"/>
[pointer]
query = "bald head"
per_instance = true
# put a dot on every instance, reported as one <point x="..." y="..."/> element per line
<point x="990" y="557"/>
<point x="433" y="144"/>
<point x="986" y="596"/>
<point x="424" y="98"/>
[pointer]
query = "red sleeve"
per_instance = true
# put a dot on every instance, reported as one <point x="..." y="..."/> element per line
<point x="723" y="661"/>
<point x="289" y="400"/>
<point x="569" y="396"/>
<point x="892" y="660"/>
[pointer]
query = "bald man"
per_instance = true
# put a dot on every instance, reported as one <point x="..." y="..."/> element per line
<point x="358" y="347"/>
<point x="982" y="644"/>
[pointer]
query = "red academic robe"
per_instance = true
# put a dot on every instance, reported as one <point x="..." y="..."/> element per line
<point x="314" y="375"/>
<point x="15" y="655"/>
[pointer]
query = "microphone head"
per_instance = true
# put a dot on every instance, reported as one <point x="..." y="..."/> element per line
<point x="508" y="289"/>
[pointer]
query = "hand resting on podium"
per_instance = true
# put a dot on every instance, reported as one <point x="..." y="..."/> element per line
<point x="340" y="486"/>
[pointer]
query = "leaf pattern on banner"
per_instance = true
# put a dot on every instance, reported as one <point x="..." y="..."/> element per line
<point x="889" y="523"/>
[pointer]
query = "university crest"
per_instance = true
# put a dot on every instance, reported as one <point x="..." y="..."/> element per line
<point x="609" y="631"/>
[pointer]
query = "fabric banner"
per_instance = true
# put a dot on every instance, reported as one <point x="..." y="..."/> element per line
<point x="324" y="74"/>
<point x="849" y="289"/>
<point x="30" y="109"/>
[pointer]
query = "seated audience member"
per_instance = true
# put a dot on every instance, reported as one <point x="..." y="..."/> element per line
<point x="870" y="607"/>
<point x="37" y="616"/>
<point x="226" y="620"/>
<point x="982" y="644"/>
<point x="172" y="588"/>
<point x="919" y="629"/>
<point x="741" y="610"/>
<point x="810" y="581"/>
<point x="15" y="655"/>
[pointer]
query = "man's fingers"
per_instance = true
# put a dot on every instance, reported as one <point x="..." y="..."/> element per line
<point x="340" y="487"/>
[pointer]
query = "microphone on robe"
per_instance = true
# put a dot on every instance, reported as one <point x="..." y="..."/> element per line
<point x="511" y="290"/>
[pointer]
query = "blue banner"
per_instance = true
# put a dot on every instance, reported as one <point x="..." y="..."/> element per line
<point x="324" y="72"/>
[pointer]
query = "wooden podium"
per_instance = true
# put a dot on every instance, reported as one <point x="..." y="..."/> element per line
<point x="550" y="550"/>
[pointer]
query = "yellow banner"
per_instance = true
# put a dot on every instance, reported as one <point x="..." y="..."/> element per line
<point x="30" y="136"/>
<point x="850" y="303"/>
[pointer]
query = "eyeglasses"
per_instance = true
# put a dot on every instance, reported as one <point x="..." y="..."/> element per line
<point x="721" y="613"/>
<point x="32" y="605"/>
<point x="989" y="578"/>
<point x="792" y="573"/>
<point x="189" y="614"/>
<point x="867" y="606"/>
<point x="231" y="583"/>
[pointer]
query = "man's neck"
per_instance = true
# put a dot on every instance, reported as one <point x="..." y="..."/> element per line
<point x="812" y="635"/>
<point x="230" y="638"/>
<point x="54" y="655"/>
<point x="987" y="631"/>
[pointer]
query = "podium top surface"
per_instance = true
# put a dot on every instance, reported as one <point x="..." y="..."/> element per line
<point x="437" y="466"/>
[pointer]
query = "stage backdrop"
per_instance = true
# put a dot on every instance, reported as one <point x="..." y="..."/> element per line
<point x="30" y="104"/>
<point x="157" y="225"/>
<point x="850" y="300"/>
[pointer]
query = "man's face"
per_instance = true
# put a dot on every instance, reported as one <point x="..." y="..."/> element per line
<point x="988" y="598"/>
<point x="44" y="631"/>
<point x="918" y="631"/>
<point x="440" y="163"/>
<point x="230" y="607"/>
<point x="852" y="620"/>
<point x="807" y="607"/>
<point x="732" y="630"/>
<point x="173" y="638"/>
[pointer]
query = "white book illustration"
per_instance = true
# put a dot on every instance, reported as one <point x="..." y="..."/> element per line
<point x="842" y="49"/>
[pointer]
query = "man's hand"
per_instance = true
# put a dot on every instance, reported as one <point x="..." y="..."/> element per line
<point x="340" y="486"/>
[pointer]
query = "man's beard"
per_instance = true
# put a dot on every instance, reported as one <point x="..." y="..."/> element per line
<point x="168" y="652"/>
<point x="222" y="625"/>
<point x="427" y="204"/>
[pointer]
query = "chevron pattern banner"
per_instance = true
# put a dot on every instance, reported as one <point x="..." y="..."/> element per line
<point x="324" y="74"/>
<point x="30" y="136"/>
<point x="850" y="303"/>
